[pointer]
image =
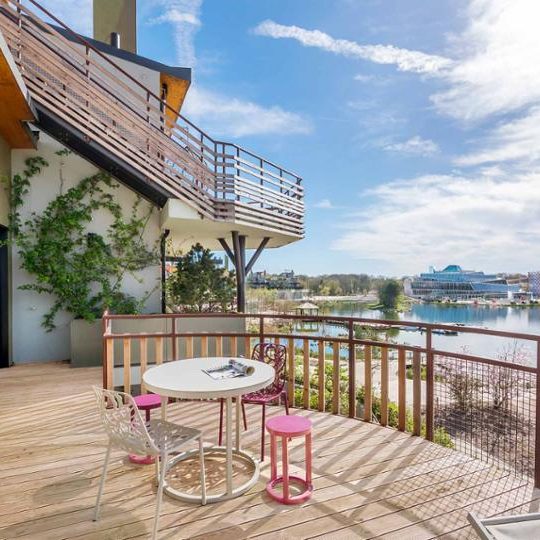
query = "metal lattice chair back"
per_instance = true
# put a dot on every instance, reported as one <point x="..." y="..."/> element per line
<point x="123" y="422"/>
<point x="274" y="355"/>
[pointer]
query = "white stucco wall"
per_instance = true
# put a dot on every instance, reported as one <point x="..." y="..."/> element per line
<point x="30" y="341"/>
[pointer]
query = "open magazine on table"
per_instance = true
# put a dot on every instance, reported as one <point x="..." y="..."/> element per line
<point x="233" y="368"/>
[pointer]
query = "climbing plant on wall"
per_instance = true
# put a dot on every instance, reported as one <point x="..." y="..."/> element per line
<point x="83" y="271"/>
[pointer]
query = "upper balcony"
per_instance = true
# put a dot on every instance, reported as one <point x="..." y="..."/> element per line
<point x="87" y="100"/>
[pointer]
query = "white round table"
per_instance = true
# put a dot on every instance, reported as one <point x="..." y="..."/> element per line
<point x="186" y="379"/>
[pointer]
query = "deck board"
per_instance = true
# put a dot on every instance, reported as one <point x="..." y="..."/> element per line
<point x="370" y="482"/>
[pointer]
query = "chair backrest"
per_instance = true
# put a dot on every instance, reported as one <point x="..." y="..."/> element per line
<point x="123" y="422"/>
<point x="276" y="356"/>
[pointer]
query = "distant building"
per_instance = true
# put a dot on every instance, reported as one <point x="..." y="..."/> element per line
<point x="455" y="283"/>
<point x="285" y="280"/>
<point x="534" y="284"/>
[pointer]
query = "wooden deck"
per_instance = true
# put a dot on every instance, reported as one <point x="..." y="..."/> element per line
<point x="370" y="482"/>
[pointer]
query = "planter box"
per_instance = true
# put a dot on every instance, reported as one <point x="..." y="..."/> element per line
<point x="86" y="343"/>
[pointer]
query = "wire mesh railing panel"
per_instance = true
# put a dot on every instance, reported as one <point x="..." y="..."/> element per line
<point x="488" y="409"/>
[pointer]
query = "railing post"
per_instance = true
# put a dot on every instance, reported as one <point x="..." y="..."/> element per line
<point x="105" y="358"/>
<point x="429" y="386"/>
<point x="352" y="371"/>
<point x="261" y="329"/>
<point x="537" y="424"/>
<point x="173" y="331"/>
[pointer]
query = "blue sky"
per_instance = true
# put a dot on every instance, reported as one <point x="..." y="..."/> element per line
<point x="416" y="125"/>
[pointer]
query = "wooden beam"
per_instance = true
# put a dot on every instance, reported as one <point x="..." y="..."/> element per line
<point x="257" y="254"/>
<point x="226" y="248"/>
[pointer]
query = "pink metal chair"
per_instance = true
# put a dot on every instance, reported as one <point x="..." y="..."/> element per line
<point x="276" y="356"/>
<point x="288" y="427"/>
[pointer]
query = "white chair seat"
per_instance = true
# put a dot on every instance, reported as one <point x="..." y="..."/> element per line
<point x="170" y="437"/>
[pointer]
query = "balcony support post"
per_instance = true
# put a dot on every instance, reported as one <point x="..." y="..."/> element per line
<point x="237" y="255"/>
<point x="163" y="250"/>
<point x="239" y="246"/>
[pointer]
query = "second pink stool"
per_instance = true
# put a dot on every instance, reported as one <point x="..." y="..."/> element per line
<point x="145" y="402"/>
<point x="288" y="427"/>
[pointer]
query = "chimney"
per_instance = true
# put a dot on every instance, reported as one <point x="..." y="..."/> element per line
<point x="115" y="22"/>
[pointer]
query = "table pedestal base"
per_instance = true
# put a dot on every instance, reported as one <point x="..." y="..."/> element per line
<point x="212" y="498"/>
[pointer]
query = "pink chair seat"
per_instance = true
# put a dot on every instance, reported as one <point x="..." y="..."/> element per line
<point x="289" y="426"/>
<point x="148" y="401"/>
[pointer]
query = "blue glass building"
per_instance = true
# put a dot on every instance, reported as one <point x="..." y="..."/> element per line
<point x="455" y="283"/>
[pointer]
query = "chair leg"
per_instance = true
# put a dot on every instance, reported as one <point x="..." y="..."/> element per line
<point x="244" y="415"/>
<point x="220" y="434"/>
<point x="286" y="402"/>
<point x="203" y="472"/>
<point x="102" y="482"/>
<point x="164" y="458"/>
<point x="263" y="430"/>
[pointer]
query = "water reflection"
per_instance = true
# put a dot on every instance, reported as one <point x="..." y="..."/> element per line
<point x="504" y="318"/>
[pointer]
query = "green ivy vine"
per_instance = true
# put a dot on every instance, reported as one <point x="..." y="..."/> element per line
<point x="82" y="270"/>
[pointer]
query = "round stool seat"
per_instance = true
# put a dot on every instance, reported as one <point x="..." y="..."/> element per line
<point x="146" y="402"/>
<point x="289" y="426"/>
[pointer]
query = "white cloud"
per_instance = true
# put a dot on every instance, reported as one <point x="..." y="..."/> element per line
<point x="324" y="204"/>
<point x="497" y="70"/>
<point x="415" y="146"/>
<point x="184" y="16"/>
<point x="403" y="59"/>
<point x="175" y="16"/>
<point x="226" y="115"/>
<point x="363" y="78"/>
<point x="517" y="141"/>
<point x="479" y="221"/>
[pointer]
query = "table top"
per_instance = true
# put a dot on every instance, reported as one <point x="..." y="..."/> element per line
<point x="186" y="379"/>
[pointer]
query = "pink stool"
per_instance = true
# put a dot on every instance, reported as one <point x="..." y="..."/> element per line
<point x="145" y="402"/>
<point x="288" y="427"/>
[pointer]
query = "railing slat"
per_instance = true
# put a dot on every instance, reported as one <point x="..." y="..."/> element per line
<point x="219" y="346"/>
<point x="384" y="386"/>
<point x="143" y="360"/>
<point x="368" y="405"/>
<point x="402" y="390"/>
<point x="417" y="393"/>
<point x="127" y="365"/>
<point x="290" y="370"/>
<point x="159" y="350"/>
<point x="321" y="398"/>
<point x="189" y="347"/>
<point x="110" y="363"/>
<point x="234" y="346"/>
<point x="305" y="373"/>
<point x="204" y="346"/>
<point x="335" y="379"/>
<point x="247" y="347"/>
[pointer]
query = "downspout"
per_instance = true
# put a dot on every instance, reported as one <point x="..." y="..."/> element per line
<point x="163" y="249"/>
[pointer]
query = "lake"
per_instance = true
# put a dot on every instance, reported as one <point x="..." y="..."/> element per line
<point x="506" y="318"/>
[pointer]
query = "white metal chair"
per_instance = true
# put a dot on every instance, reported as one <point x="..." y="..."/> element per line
<point x="127" y="431"/>
<point x="522" y="527"/>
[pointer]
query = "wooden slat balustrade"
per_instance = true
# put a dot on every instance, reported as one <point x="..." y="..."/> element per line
<point x="404" y="406"/>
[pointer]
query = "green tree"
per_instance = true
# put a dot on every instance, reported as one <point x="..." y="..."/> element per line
<point x="199" y="283"/>
<point x="389" y="294"/>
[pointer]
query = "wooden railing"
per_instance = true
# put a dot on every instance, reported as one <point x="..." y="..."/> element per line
<point x="482" y="405"/>
<point x="86" y="89"/>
